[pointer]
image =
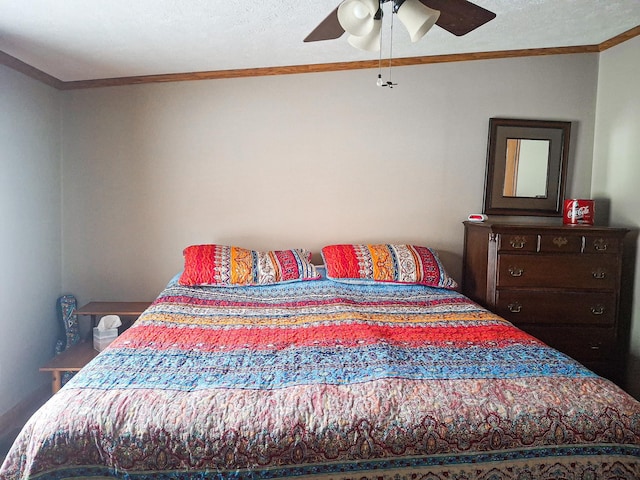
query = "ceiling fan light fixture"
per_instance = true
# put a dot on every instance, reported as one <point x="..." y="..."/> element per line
<point x="369" y="42"/>
<point x="357" y="16"/>
<point x="417" y="18"/>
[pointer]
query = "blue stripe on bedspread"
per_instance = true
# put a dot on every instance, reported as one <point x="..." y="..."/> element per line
<point x="269" y="370"/>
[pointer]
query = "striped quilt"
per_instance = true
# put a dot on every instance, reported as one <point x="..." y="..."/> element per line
<point x="320" y="379"/>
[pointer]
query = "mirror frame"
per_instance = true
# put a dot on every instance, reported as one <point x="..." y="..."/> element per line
<point x="500" y="129"/>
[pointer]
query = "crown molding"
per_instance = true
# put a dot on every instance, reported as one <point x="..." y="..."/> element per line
<point x="29" y="71"/>
<point x="618" y="39"/>
<point x="321" y="67"/>
<point x="16" y="64"/>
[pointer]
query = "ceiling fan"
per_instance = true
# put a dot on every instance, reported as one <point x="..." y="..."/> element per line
<point x="363" y="19"/>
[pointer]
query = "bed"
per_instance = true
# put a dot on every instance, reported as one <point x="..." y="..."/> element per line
<point x="329" y="379"/>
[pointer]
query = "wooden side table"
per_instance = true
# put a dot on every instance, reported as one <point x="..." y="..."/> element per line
<point x="76" y="357"/>
<point x="71" y="360"/>
<point x="99" y="309"/>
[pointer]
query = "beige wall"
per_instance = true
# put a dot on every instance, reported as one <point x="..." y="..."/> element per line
<point x="269" y="162"/>
<point x="616" y="169"/>
<point x="301" y="160"/>
<point x="30" y="232"/>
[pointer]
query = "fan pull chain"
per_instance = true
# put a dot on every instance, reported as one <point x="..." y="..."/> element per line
<point x="390" y="52"/>
<point x="380" y="82"/>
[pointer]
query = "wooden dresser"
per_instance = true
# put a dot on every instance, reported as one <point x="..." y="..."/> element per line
<point x="558" y="283"/>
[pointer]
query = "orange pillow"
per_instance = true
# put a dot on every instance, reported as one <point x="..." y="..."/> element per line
<point x="397" y="264"/>
<point x="222" y="265"/>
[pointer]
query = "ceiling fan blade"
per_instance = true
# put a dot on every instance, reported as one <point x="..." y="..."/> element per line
<point x="459" y="16"/>
<point x="328" y="29"/>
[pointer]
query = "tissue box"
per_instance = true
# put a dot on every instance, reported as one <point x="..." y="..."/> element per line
<point x="102" y="338"/>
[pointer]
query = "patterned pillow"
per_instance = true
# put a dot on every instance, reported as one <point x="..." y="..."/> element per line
<point x="398" y="264"/>
<point x="222" y="265"/>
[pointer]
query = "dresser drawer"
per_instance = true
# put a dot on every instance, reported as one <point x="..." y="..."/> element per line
<point x="557" y="308"/>
<point x="581" y="343"/>
<point x="560" y="243"/>
<point x="558" y="271"/>
<point x="517" y="242"/>
<point x="602" y="244"/>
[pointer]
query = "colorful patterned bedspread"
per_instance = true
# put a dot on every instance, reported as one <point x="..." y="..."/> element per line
<point x="326" y="380"/>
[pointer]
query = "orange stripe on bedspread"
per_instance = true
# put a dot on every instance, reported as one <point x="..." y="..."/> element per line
<point x="351" y="335"/>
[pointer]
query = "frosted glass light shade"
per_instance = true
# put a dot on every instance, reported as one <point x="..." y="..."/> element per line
<point x="369" y="42"/>
<point x="356" y="16"/>
<point x="417" y="18"/>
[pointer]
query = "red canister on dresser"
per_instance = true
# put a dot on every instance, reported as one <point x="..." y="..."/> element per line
<point x="578" y="212"/>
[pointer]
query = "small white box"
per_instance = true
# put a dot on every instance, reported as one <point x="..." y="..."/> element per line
<point x="102" y="338"/>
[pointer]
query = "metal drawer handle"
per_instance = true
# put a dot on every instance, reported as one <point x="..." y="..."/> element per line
<point x="560" y="241"/>
<point x="600" y="245"/>
<point x="514" y="307"/>
<point x="597" y="309"/>
<point x="518" y="242"/>
<point x="595" y="347"/>
<point x="599" y="274"/>
<point x="516" y="271"/>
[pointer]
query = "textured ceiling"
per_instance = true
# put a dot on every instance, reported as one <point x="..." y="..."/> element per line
<point x="82" y="40"/>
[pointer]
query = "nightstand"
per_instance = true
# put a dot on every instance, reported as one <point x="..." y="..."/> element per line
<point x="76" y="357"/>
<point x="99" y="309"/>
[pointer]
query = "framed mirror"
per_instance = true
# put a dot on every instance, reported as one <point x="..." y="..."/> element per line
<point x="526" y="167"/>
